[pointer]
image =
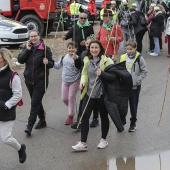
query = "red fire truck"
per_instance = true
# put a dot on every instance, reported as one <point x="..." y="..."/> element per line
<point x="33" y="13"/>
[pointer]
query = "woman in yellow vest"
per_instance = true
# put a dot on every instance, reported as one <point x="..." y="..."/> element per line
<point x="136" y="66"/>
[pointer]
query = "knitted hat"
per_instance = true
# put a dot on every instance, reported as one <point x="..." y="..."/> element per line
<point x="124" y="2"/>
<point x="134" y="5"/>
<point x="113" y="2"/>
<point x="156" y="8"/>
<point x="107" y="13"/>
<point x="153" y="5"/>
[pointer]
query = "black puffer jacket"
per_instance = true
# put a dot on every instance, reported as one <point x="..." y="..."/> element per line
<point x="135" y="21"/>
<point x="77" y="32"/>
<point x="35" y="69"/>
<point x="157" y="25"/>
<point x="117" y="83"/>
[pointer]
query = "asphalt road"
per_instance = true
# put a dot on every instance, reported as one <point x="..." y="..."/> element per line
<point x="50" y="148"/>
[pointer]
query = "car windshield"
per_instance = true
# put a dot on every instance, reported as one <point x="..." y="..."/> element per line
<point x="3" y="18"/>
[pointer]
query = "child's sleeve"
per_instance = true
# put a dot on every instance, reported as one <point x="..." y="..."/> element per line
<point x="143" y="70"/>
<point x="59" y="64"/>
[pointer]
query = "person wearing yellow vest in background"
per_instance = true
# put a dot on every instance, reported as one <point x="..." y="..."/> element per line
<point x="136" y="66"/>
<point x="107" y="7"/>
<point x="75" y="10"/>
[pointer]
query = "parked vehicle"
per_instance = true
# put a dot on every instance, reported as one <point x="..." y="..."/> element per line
<point x="12" y="33"/>
<point x="33" y="13"/>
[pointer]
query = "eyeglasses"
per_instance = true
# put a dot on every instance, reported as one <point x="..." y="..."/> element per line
<point x="34" y="36"/>
<point x="83" y="18"/>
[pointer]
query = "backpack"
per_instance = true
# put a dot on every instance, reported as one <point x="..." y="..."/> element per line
<point x="143" y="20"/>
<point x="20" y="103"/>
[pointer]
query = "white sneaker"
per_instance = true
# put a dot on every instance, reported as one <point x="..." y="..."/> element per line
<point x="80" y="147"/>
<point x="154" y="54"/>
<point x="103" y="144"/>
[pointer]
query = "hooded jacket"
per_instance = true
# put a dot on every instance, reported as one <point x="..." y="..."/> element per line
<point x="157" y="24"/>
<point x="35" y="70"/>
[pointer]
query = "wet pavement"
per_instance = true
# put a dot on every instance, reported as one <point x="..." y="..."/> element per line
<point x="50" y="148"/>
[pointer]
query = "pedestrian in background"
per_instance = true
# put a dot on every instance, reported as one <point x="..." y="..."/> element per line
<point x="33" y="55"/>
<point x="10" y="95"/>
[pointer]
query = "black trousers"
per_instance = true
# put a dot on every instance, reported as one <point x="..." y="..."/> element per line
<point x="139" y="38"/>
<point x="103" y="115"/>
<point x="133" y="102"/>
<point x="36" y="92"/>
<point x="95" y="111"/>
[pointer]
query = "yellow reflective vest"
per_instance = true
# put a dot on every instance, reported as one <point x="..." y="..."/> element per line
<point x="75" y="8"/>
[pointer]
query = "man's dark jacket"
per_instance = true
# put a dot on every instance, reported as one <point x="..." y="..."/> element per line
<point x="76" y="35"/>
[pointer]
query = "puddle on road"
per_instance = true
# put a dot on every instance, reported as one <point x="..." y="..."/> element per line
<point x="149" y="162"/>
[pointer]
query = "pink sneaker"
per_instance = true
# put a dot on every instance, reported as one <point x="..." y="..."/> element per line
<point x="69" y="120"/>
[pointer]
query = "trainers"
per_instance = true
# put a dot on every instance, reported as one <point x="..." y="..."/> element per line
<point x="80" y="147"/>
<point x="154" y="54"/>
<point x="132" y="127"/>
<point x="22" y="153"/>
<point x="103" y="144"/>
<point x="69" y="120"/>
<point x="74" y="126"/>
<point x="94" y="123"/>
<point x="40" y="124"/>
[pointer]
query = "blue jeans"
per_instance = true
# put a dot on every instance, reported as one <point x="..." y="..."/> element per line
<point x="157" y="47"/>
<point x="138" y="4"/>
<point x="126" y="37"/>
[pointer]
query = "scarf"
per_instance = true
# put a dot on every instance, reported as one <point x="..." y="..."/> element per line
<point x="108" y="26"/>
<point x="86" y="24"/>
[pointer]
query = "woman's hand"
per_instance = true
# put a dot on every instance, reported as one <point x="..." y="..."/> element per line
<point x="99" y="71"/>
<point x="45" y="61"/>
<point x="28" y="45"/>
<point x="82" y="86"/>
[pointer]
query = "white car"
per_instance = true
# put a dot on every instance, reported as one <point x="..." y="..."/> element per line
<point x="12" y="33"/>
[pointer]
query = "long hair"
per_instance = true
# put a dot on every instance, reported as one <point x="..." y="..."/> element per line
<point x="7" y="56"/>
<point x="102" y="50"/>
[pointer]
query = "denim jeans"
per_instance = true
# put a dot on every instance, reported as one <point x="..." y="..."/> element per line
<point x="126" y="37"/>
<point x="138" y="4"/>
<point x="157" y="47"/>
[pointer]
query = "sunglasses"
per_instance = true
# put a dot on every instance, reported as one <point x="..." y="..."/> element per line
<point x="83" y="18"/>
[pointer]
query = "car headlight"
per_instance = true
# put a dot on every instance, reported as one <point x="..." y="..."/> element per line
<point x="4" y="28"/>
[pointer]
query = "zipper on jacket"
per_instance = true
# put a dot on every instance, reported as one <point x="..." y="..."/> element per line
<point x="33" y="68"/>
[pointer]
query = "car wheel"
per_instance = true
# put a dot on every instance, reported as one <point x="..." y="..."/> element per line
<point x="50" y="27"/>
<point x="33" y="23"/>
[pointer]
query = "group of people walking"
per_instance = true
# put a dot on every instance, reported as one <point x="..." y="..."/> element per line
<point x="91" y="65"/>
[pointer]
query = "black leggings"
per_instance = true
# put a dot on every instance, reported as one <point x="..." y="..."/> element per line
<point x="103" y="114"/>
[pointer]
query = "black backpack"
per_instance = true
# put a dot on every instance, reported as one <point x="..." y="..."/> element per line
<point x="143" y="20"/>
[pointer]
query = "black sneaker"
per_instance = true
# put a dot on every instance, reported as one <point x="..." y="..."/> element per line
<point x="94" y="123"/>
<point x="22" y="154"/>
<point x="132" y="127"/>
<point x="28" y="130"/>
<point x="40" y="124"/>
<point x="74" y="126"/>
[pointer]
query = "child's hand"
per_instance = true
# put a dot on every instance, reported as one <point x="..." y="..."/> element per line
<point x="82" y="86"/>
<point x="45" y="61"/>
<point x="82" y="43"/>
<point x="74" y="56"/>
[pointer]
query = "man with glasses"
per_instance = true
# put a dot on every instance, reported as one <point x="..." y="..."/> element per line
<point x="79" y="32"/>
